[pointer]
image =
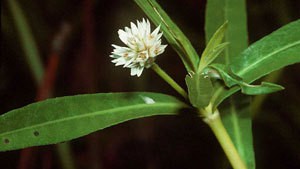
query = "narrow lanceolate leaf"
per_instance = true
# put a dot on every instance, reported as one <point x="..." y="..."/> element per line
<point x="263" y="88"/>
<point x="213" y="48"/>
<point x="27" y="40"/>
<point x="236" y="118"/>
<point x="238" y="123"/>
<point x="65" y="118"/>
<point x="230" y="79"/>
<point x="200" y="89"/>
<point x="172" y="33"/>
<point x="231" y="11"/>
<point x="277" y="50"/>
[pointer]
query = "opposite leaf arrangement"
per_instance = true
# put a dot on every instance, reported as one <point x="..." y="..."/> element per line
<point x="208" y="82"/>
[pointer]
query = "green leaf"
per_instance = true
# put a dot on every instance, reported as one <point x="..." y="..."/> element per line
<point x="65" y="118"/>
<point x="263" y="88"/>
<point x="230" y="79"/>
<point x="171" y="32"/>
<point x="277" y="50"/>
<point x="27" y="40"/>
<point x="238" y="123"/>
<point x="213" y="48"/>
<point x="224" y="73"/>
<point x="231" y="11"/>
<point x="236" y="118"/>
<point x="200" y="89"/>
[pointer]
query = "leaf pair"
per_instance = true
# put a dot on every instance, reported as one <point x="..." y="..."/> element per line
<point x="199" y="84"/>
<point x="213" y="48"/>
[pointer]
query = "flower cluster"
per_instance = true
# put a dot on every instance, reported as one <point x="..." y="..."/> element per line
<point x="141" y="49"/>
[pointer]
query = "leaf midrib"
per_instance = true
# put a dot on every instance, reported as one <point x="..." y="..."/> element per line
<point x="96" y="113"/>
<point x="245" y="70"/>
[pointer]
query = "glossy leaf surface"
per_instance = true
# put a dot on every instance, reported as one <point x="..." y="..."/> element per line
<point x="65" y="118"/>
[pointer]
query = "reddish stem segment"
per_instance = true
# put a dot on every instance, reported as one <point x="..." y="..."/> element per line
<point x="27" y="158"/>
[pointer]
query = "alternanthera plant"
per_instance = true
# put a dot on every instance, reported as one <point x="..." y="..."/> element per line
<point x="226" y="66"/>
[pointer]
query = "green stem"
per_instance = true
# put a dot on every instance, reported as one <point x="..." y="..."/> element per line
<point x="215" y="123"/>
<point x="169" y="80"/>
<point x="27" y="40"/>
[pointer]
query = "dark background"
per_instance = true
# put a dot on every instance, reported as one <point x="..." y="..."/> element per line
<point x="150" y="143"/>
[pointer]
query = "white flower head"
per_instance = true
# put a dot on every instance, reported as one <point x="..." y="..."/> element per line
<point x="142" y="47"/>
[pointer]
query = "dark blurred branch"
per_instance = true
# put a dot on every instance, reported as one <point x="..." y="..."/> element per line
<point x="89" y="77"/>
<point x="44" y="91"/>
<point x="27" y="40"/>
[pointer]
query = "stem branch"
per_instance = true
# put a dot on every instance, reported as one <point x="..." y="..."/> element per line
<point x="169" y="80"/>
